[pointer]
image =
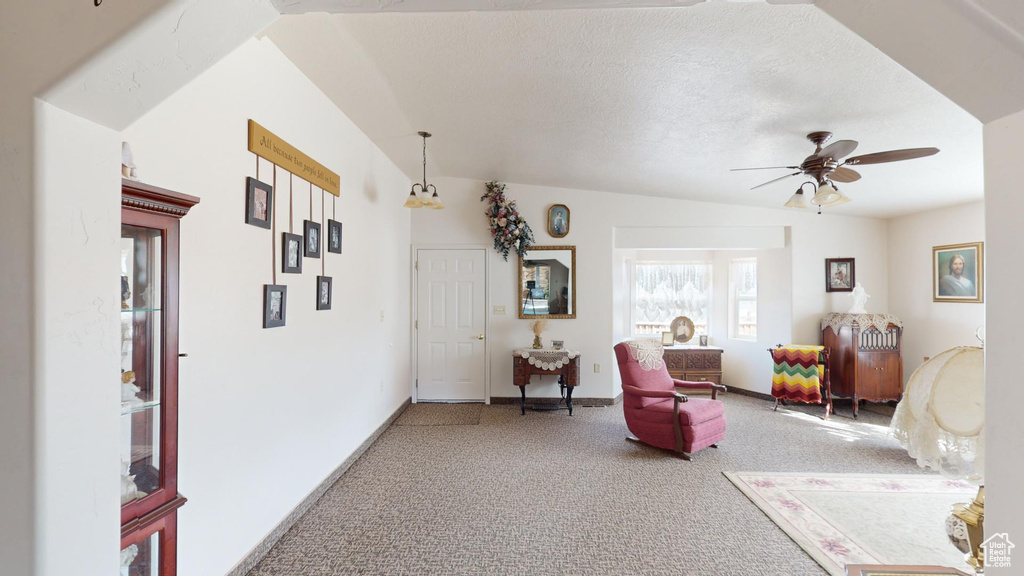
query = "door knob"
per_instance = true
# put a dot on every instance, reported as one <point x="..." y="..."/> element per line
<point x="479" y="336"/>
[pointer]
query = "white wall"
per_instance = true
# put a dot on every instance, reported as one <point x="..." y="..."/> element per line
<point x="931" y="327"/>
<point x="40" y="42"/>
<point x="1004" y="276"/>
<point x="79" y="317"/>
<point x="266" y="415"/>
<point x="594" y="215"/>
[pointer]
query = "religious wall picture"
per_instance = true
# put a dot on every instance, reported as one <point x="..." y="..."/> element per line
<point x="291" y="253"/>
<point x="334" y="236"/>
<point x="958" y="272"/>
<point x="558" y="220"/>
<point x="259" y="203"/>
<point x="323" y="292"/>
<point x="312" y="242"/>
<point x="839" y="275"/>
<point x="275" y="300"/>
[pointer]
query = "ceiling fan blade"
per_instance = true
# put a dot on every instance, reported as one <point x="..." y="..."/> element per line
<point x="765" y="168"/>
<point x="891" y="156"/>
<point x="838" y="149"/>
<point x="776" y="180"/>
<point x="844" y="175"/>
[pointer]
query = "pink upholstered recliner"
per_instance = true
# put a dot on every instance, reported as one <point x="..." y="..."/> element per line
<point x="658" y="415"/>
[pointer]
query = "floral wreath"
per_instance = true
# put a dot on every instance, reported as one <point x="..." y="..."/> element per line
<point x="509" y="230"/>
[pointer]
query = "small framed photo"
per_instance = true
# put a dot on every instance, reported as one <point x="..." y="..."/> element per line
<point x="839" y="275"/>
<point x="275" y="303"/>
<point x="558" y="220"/>
<point x="312" y="243"/>
<point x="334" y="236"/>
<point x="703" y="339"/>
<point x="958" y="272"/>
<point x="259" y="203"/>
<point x="667" y="338"/>
<point x="557" y="344"/>
<point x="291" y="253"/>
<point x="324" y="284"/>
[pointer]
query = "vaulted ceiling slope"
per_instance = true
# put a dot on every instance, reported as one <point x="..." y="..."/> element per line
<point x="653" y="101"/>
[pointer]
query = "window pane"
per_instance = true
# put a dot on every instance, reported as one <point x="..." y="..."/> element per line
<point x="667" y="290"/>
<point x="743" y="298"/>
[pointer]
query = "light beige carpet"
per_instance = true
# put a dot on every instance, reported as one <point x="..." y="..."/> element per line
<point x="841" y="519"/>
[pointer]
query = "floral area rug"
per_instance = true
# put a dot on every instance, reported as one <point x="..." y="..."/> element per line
<point x="841" y="519"/>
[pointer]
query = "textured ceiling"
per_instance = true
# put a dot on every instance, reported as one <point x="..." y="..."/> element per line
<point x="654" y="101"/>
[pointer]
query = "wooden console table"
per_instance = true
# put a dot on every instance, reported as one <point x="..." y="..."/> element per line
<point x="565" y="363"/>
<point x="694" y="363"/>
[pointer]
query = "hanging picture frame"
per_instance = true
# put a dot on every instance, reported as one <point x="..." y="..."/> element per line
<point x="334" y="236"/>
<point x="839" y="275"/>
<point x="312" y="238"/>
<point x="259" y="203"/>
<point x="324" y="295"/>
<point x="291" y="253"/>
<point x="558" y="221"/>
<point x="275" y="305"/>
<point x="958" y="272"/>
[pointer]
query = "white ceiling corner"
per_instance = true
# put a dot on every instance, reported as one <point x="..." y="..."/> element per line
<point x="655" y="101"/>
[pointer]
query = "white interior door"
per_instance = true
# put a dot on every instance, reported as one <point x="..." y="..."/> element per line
<point x="450" y="309"/>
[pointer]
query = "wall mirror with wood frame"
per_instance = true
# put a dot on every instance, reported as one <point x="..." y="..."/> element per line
<point x="547" y="282"/>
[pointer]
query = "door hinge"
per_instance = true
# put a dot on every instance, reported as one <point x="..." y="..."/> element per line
<point x="416" y="265"/>
<point x="417" y="383"/>
<point x="417" y="325"/>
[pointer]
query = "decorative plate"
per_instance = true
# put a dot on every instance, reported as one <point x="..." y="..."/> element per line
<point x="682" y="329"/>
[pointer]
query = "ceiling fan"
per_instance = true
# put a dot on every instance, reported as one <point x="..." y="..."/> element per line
<point x="826" y="166"/>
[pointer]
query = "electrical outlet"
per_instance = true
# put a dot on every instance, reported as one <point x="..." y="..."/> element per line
<point x="499" y="310"/>
<point x="597" y="368"/>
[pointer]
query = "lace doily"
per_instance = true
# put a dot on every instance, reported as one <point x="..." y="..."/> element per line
<point x="880" y="322"/>
<point x="647" y="352"/>
<point x="546" y="358"/>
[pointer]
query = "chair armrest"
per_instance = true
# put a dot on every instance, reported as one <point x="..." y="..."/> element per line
<point x="653" y="393"/>
<point x="714" y="387"/>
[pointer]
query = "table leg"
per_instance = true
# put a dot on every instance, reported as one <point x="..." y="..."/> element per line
<point x="568" y="398"/>
<point x="522" y="404"/>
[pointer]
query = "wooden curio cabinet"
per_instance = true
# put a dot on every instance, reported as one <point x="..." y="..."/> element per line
<point x="150" y="219"/>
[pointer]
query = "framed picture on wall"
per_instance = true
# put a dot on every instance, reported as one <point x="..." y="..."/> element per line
<point x="958" y="272"/>
<point x="312" y="241"/>
<point x="333" y="236"/>
<point x="291" y="253"/>
<point x="259" y="203"/>
<point x="839" y="275"/>
<point x="275" y="302"/>
<point x="558" y="220"/>
<point x="323" y="292"/>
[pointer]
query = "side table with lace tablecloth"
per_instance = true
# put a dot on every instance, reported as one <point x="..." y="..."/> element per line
<point x="529" y="361"/>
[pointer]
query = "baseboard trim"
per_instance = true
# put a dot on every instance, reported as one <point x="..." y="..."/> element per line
<point x="576" y="402"/>
<point x="751" y="393"/>
<point x="253" y="557"/>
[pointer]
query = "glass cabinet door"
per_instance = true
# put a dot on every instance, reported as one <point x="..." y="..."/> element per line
<point x="142" y="558"/>
<point x="142" y="361"/>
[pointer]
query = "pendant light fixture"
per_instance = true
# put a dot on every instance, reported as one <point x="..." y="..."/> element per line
<point x="423" y="198"/>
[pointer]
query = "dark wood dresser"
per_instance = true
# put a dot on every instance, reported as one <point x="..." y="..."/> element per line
<point x="694" y="363"/>
<point x="866" y="356"/>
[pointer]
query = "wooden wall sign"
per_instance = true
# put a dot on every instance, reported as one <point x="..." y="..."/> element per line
<point x="266" y="145"/>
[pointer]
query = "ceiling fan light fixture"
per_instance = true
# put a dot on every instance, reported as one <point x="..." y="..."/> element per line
<point x="826" y="195"/>
<point x="798" y="200"/>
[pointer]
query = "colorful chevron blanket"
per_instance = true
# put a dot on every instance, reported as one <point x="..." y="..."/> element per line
<point x="798" y="373"/>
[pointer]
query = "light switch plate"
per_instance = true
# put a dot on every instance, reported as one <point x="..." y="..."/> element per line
<point x="597" y="368"/>
<point x="500" y="310"/>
